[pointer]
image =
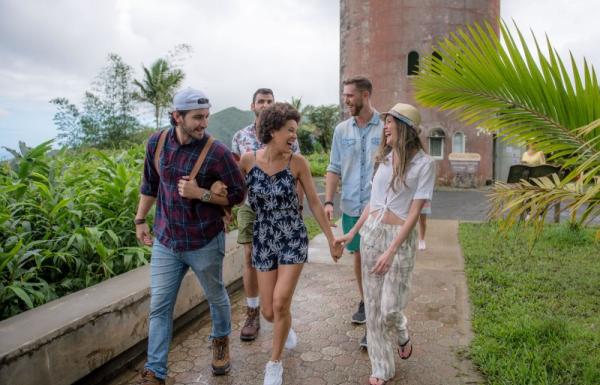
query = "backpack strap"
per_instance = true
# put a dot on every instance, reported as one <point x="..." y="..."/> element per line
<point x="201" y="158"/>
<point x="159" y="147"/>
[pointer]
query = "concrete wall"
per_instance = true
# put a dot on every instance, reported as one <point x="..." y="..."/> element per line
<point x="376" y="37"/>
<point x="64" y="340"/>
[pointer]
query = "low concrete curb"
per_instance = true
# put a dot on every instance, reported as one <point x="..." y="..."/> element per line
<point x="66" y="339"/>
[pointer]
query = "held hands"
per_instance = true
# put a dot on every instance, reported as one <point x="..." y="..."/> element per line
<point x="335" y="250"/>
<point x="343" y="240"/>
<point x="142" y="233"/>
<point x="384" y="262"/>
<point x="339" y="243"/>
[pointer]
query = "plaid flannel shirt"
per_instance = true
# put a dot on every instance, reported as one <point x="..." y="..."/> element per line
<point x="183" y="224"/>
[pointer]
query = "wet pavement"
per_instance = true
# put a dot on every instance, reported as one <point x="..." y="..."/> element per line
<point x="328" y="350"/>
<point x="447" y="203"/>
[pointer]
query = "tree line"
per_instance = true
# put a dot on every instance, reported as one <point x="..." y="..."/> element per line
<point x="107" y="117"/>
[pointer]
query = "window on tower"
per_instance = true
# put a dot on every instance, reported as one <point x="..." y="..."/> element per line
<point x="436" y="143"/>
<point x="458" y="142"/>
<point x="413" y="63"/>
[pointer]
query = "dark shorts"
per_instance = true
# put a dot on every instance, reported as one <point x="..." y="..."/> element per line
<point x="279" y="239"/>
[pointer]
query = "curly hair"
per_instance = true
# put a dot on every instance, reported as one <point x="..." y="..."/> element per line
<point x="274" y="118"/>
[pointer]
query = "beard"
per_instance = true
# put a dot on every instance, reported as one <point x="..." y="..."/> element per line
<point x="192" y="133"/>
<point x="356" y="108"/>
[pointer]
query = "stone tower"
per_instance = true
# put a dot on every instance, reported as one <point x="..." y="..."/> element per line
<point x="384" y="40"/>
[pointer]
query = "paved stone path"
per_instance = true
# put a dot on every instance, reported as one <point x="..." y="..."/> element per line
<point x="328" y="351"/>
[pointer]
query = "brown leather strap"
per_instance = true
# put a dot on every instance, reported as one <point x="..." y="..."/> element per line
<point x="200" y="160"/>
<point x="159" y="147"/>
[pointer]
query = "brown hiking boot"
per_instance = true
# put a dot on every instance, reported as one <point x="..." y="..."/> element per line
<point x="220" y="361"/>
<point x="252" y="325"/>
<point x="149" y="378"/>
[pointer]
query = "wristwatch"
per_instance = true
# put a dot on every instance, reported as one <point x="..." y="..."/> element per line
<point x="328" y="203"/>
<point x="206" y="196"/>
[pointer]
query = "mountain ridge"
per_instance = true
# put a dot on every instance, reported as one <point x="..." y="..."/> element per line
<point x="225" y="123"/>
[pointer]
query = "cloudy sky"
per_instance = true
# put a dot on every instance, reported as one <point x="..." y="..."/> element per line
<point x="56" y="48"/>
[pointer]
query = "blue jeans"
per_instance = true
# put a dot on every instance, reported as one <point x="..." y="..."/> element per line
<point x="167" y="268"/>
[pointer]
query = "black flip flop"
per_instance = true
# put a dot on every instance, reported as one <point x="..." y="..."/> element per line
<point x="401" y="349"/>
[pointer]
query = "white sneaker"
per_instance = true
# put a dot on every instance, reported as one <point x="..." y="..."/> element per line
<point x="421" y="245"/>
<point x="273" y="373"/>
<point x="292" y="340"/>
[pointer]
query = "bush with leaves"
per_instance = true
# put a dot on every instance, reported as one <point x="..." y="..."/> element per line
<point x="65" y="222"/>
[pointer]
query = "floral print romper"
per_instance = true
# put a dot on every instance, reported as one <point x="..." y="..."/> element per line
<point x="279" y="234"/>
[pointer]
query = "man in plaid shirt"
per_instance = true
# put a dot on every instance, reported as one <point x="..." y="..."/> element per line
<point x="188" y="228"/>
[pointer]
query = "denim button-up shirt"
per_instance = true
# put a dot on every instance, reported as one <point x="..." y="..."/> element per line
<point x="352" y="157"/>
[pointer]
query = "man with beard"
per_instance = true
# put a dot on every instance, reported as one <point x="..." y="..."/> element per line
<point x="188" y="226"/>
<point x="246" y="140"/>
<point x="353" y="149"/>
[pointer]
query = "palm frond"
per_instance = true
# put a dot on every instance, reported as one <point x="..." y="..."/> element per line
<point x="526" y="96"/>
<point x="511" y="202"/>
<point x="506" y="87"/>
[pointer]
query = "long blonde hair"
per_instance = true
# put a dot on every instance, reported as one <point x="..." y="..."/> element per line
<point x="403" y="149"/>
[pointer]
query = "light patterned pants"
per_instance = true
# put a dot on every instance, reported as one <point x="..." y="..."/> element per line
<point x="385" y="295"/>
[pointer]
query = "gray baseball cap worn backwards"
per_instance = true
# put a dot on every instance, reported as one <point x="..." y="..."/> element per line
<point x="190" y="99"/>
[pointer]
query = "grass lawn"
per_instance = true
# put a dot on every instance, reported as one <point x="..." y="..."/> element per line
<point x="536" y="315"/>
<point x="312" y="227"/>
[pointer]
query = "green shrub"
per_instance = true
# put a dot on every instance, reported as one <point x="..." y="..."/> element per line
<point x="305" y="141"/>
<point x="318" y="163"/>
<point x="66" y="222"/>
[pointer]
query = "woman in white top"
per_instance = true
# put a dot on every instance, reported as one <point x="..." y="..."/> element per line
<point x="403" y="181"/>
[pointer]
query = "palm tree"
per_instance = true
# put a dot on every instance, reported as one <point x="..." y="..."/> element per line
<point x="157" y="88"/>
<point x="526" y="96"/>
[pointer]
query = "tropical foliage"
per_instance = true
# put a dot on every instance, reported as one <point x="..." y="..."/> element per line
<point x="316" y="128"/>
<point x="65" y="222"/>
<point x="323" y="120"/>
<point x="318" y="163"/>
<point x="158" y="86"/>
<point x="526" y="96"/>
<point x="106" y="118"/>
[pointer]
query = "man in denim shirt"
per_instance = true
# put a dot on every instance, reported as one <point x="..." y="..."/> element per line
<point x="353" y="149"/>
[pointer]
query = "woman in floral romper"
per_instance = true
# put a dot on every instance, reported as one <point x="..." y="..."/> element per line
<point x="280" y="240"/>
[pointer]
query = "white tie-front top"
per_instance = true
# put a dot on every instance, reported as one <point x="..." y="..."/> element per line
<point x="419" y="183"/>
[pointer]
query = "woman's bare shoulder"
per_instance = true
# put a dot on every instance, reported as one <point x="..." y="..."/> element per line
<point x="246" y="161"/>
